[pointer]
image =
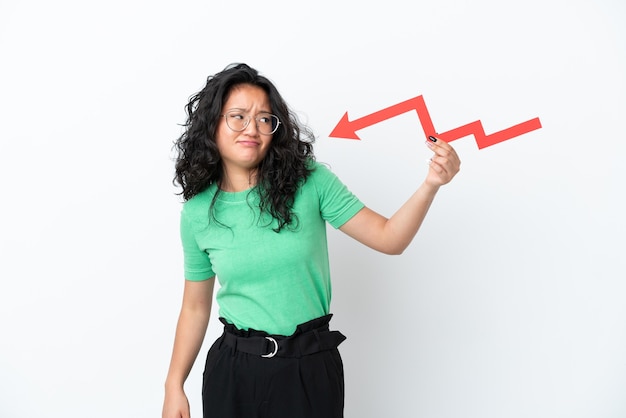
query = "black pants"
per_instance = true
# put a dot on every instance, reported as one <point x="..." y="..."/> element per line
<point x="301" y="376"/>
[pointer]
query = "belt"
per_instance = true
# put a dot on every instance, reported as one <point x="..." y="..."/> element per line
<point x="297" y="345"/>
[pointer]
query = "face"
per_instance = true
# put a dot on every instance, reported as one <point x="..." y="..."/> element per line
<point x="242" y="151"/>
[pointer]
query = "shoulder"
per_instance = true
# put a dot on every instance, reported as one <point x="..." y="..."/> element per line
<point x="324" y="181"/>
<point x="320" y="172"/>
<point x="198" y="206"/>
<point x="323" y="177"/>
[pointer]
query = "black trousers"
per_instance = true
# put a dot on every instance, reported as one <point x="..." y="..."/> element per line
<point x="251" y="374"/>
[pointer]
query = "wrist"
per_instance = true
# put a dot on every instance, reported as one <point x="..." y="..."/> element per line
<point x="429" y="189"/>
<point x="173" y="385"/>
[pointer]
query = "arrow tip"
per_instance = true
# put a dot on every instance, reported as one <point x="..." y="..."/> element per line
<point x="344" y="129"/>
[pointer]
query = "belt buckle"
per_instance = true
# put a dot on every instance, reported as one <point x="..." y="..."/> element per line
<point x="273" y="353"/>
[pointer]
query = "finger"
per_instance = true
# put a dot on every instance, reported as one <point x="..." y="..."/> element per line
<point x="445" y="159"/>
<point x="443" y="149"/>
<point x="449" y="163"/>
<point x="438" y="165"/>
<point x="438" y="144"/>
<point x="439" y="174"/>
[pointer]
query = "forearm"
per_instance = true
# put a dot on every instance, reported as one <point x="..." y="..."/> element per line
<point x="401" y="228"/>
<point x="190" y="331"/>
<point x="393" y="235"/>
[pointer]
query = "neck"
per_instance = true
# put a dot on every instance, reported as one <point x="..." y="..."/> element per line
<point x="238" y="182"/>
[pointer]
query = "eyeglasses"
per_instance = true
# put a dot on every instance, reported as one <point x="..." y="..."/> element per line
<point x="266" y="123"/>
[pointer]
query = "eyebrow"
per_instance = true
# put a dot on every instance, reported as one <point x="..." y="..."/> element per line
<point x="244" y="110"/>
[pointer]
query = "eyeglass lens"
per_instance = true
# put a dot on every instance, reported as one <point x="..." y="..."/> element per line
<point x="266" y="122"/>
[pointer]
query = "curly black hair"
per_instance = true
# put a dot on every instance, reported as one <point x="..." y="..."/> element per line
<point x="285" y="166"/>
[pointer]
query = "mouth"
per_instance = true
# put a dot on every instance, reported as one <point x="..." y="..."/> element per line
<point x="249" y="143"/>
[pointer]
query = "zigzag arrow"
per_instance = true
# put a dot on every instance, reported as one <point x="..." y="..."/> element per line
<point x="347" y="129"/>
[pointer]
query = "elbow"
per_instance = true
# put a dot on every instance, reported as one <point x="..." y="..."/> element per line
<point x="391" y="247"/>
<point x="393" y="250"/>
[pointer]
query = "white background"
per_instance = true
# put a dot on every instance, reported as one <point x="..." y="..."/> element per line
<point x="509" y="303"/>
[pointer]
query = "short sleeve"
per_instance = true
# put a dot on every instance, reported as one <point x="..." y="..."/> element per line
<point x="337" y="203"/>
<point x="197" y="263"/>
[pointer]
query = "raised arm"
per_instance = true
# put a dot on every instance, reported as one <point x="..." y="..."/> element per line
<point x="393" y="235"/>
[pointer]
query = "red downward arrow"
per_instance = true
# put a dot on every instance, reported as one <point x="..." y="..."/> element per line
<point x="347" y="129"/>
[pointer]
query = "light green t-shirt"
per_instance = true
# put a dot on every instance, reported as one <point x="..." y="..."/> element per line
<point x="268" y="281"/>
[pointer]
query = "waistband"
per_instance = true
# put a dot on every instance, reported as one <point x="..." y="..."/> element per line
<point x="309" y="338"/>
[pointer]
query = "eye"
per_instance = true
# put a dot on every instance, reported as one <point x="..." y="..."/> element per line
<point x="265" y="118"/>
<point x="236" y="116"/>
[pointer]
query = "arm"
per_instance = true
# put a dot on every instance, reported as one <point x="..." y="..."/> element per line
<point x="393" y="235"/>
<point x="190" y="331"/>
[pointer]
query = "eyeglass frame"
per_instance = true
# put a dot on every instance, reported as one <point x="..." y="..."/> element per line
<point x="248" y="119"/>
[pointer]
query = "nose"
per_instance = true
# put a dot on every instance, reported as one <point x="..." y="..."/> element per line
<point x="251" y="127"/>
